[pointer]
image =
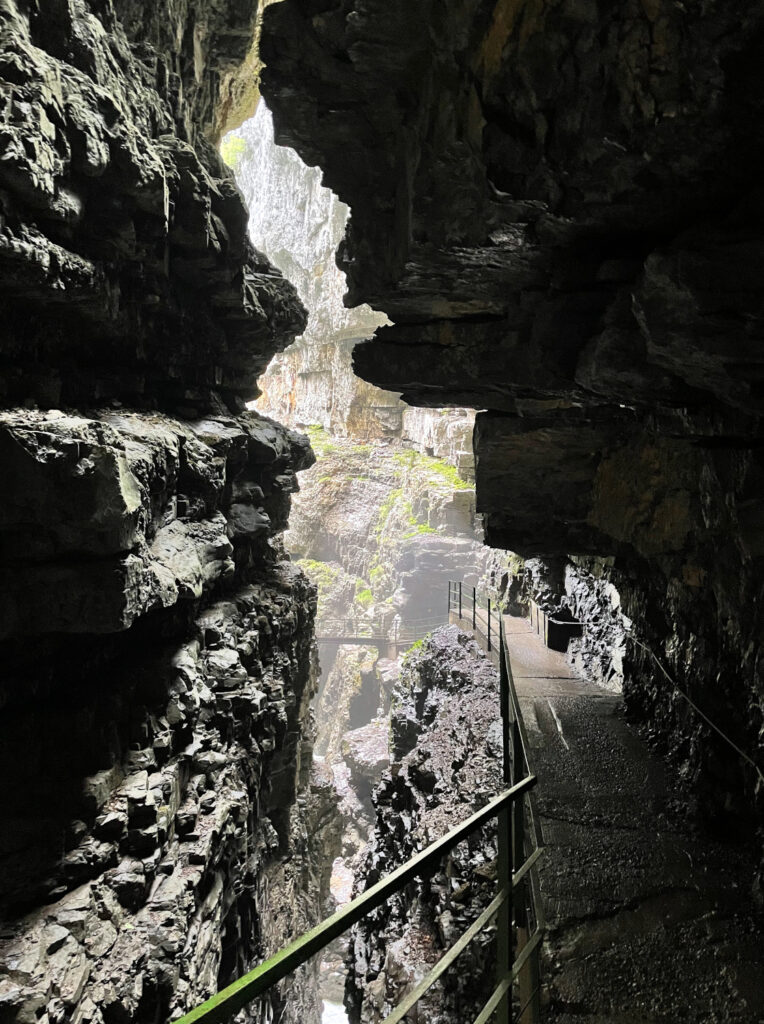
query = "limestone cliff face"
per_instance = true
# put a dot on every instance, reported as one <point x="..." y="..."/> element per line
<point x="299" y="224"/>
<point x="154" y="820"/>
<point x="381" y="529"/>
<point x="156" y="644"/>
<point x="558" y="208"/>
<point x="112" y="516"/>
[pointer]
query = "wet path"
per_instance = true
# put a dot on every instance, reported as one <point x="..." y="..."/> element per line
<point x="647" y="922"/>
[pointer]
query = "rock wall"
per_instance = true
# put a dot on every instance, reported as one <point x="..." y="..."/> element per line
<point x="446" y="763"/>
<point x="558" y="208"/>
<point x="156" y="820"/>
<point x="156" y="736"/>
<point x="156" y="643"/>
<point x="127" y="273"/>
<point x="381" y="529"/>
<point x="299" y="224"/>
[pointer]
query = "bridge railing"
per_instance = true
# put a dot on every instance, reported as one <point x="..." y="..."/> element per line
<point x="399" y="632"/>
<point x="515" y="996"/>
<point x="483" y="615"/>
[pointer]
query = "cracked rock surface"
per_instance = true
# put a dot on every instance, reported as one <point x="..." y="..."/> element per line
<point x="126" y="271"/>
<point x="445" y="765"/>
<point x="158" y="809"/>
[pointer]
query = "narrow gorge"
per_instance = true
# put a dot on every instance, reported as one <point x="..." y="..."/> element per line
<point x="311" y="308"/>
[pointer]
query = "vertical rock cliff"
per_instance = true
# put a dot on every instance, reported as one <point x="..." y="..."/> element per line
<point x="157" y="645"/>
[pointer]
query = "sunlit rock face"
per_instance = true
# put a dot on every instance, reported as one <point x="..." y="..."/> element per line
<point x="299" y="224"/>
<point x="126" y="273"/>
<point x="558" y="207"/>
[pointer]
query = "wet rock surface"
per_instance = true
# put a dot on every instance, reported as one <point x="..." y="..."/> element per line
<point x="558" y="207"/>
<point x="446" y="764"/>
<point x="156" y="643"/>
<point x="109" y="517"/>
<point x="168" y="815"/>
<point x="127" y="273"/>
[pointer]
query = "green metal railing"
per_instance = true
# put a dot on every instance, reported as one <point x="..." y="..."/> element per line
<point x="481" y="614"/>
<point x="516" y="906"/>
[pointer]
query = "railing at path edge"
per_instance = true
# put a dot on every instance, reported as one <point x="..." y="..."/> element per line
<point x="483" y="616"/>
<point x="516" y="907"/>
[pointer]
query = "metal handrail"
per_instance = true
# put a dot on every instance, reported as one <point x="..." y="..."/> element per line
<point x="222" y="1006"/>
<point x="486" y="620"/>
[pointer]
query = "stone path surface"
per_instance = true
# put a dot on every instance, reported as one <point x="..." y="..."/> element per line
<point x="648" y="921"/>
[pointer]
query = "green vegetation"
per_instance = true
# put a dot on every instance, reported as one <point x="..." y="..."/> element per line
<point x="413" y="650"/>
<point x="418" y="529"/>
<point x="448" y="473"/>
<point x="363" y="594"/>
<point x="323" y="574"/>
<point x="320" y="441"/>
<point x="515" y="564"/>
<point x="438" y="471"/>
<point x="385" y="510"/>
<point x="232" y="149"/>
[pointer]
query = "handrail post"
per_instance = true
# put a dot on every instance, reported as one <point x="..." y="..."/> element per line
<point x="474" y="608"/>
<point x="460" y="600"/>
<point x="528" y="981"/>
<point x="489" y="624"/>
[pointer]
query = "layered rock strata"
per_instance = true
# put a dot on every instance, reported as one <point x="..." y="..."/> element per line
<point x="446" y="763"/>
<point x="381" y="529"/>
<point x="158" y="664"/>
<point x="558" y="208"/>
<point x="299" y="224"/>
<point x="127" y="273"/>
<point x="156" y="737"/>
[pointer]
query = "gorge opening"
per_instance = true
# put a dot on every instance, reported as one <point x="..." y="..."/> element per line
<point x="558" y="208"/>
<point x="385" y="517"/>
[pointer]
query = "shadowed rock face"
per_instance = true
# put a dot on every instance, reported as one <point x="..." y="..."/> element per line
<point x="156" y="643"/>
<point x="559" y="207"/>
<point x="107" y="518"/>
<point x="125" y="268"/>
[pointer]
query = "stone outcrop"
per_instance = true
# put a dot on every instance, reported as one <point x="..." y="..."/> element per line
<point x="109" y="517"/>
<point x="558" y="208"/>
<point x="158" y="820"/>
<point x="126" y="270"/>
<point x="156" y="741"/>
<point x="381" y="529"/>
<point x="446" y="754"/>
<point x="299" y="224"/>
